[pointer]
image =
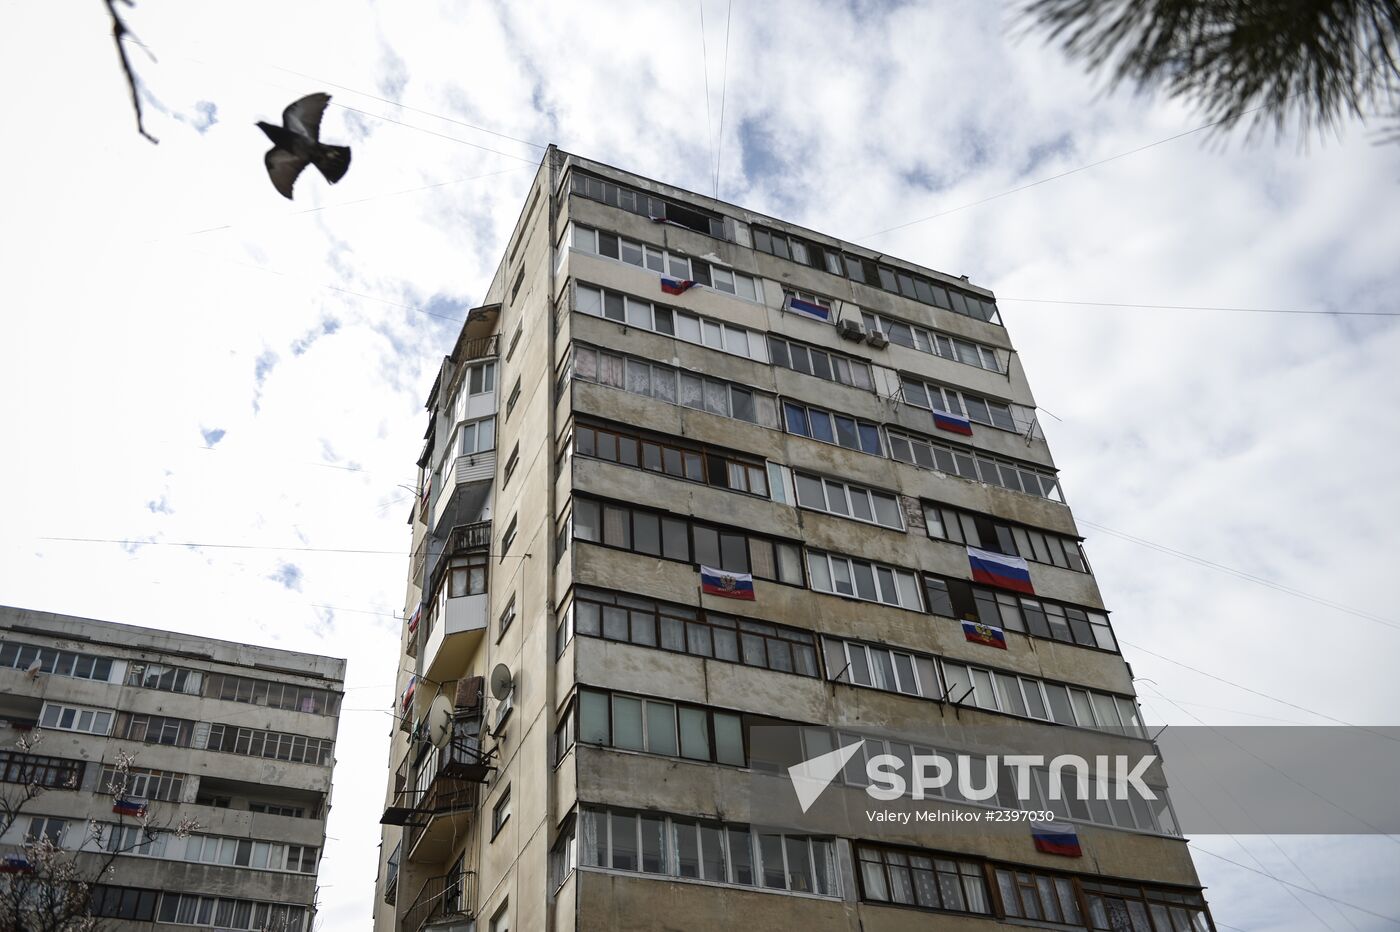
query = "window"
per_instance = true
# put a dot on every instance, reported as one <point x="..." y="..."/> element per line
<point x="224" y="913"/>
<point x="465" y="576"/>
<point x="802" y="251"/>
<point x="514" y="340"/>
<point x="660" y="534"/>
<point x="75" y="718"/>
<point x="46" y="828"/>
<point x="290" y="696"/>
<point x="57" y="773"/>
<point x="988" y="533"/>
<point x="563" y="858"/>
<point x="641" y="377"/>
<point x="165" y="677"/>
<point x="142" y="783"/>
<point x="684" y="325"/>
<point x="933" y="342"/>
<point x="848" y="500"/>
<point x="515" y="288"/>
<point x="254" y="742"/>
<point x="872" y="582"/>
<point x="690" y="630"/>
<point x="500" y="922"/>
<point x="1029" y="697"/>
<point x="481" y="378"/>
<point x="476" y="436"/>
<point x="881" y="667"/>
<point x="703" y="849"/>
<point x="810" y="360"/>
<point x="1036" y="617"/>
<point x="647" y="205"/>
<point x="980" y="410"/>
<point x="974" y="464"/>
<point x="841" y="429"/>
<point x="500" y="813"/>
<point x="665" y="262"/>
<point x="508" y="538"/>
<point x="890" y="875"/>
<point x="55" y="662"/>
<point x="507" y="617"/>
<point x="514" y="397"/>
<point x="109" y="902"/>
<point x="661" y="727"/>
<point x="511" y="463"/>
<point x="658" y="453"/>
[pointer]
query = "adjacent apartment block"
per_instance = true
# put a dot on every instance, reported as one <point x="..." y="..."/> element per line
<point x="690" y="470"/>
<point x="236" y="740"/>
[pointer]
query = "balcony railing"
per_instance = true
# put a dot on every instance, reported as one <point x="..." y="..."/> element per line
<point x="466" y="538"/>
<point x="480" y="348"/>
<point x="441" y="899"/>
<point x="445" y="780"/>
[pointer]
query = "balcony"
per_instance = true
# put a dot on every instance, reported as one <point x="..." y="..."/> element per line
<point x="466" y="488"/>
<point x="446" y="899"/>
<point x="436" y="790"/>
<point x="479" y="348"/>
<point x="454" y="623"/>
<point x="391" y="880"/>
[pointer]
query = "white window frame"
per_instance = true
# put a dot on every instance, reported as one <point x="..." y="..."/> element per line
<point x="832" y="559"/>
<point x="78" y="711"/>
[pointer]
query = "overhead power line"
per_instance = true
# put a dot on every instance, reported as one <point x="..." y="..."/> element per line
<point x="1241" y="574"/>
<point x="221" y="546"/>
<point x="723" y="89"/>
<point x="1197" y="307"/>
<point x="1289" y="883"/>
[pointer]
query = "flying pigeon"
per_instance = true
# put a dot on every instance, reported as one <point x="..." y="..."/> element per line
<point x="297" y="142"/>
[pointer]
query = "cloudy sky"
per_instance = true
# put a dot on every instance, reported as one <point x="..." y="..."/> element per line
<point x="188" y="358"/>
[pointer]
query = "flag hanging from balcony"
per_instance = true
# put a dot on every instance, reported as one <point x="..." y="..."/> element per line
<point x="15" y="864"/>
<point x="726" y="584"/>
<point x="406" y="699"/>
<point x="953" y="423"/>
<point x="135" y="808"/>
<point x="676" y="286"/>
<point x="413" y="621"/>
<point x="978" y="633"/>
<point x="1000" y="570"/>
<point x="809" y="308"/>
<point x="1060" y="838"/>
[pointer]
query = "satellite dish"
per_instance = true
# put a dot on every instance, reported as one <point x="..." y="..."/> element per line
<point x="501" y="681"/>
<point x="440" y="711"/>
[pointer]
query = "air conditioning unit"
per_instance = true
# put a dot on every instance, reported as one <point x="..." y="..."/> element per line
<point x="851" y="329"/>
<point x="877" y="339"/>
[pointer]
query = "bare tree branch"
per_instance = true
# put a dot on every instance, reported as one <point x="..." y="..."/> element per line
<point x="119" y="32"/>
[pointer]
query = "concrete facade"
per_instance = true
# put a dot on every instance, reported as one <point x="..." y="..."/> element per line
<point x="557" y="523"/>
<point x="236" y="739"/>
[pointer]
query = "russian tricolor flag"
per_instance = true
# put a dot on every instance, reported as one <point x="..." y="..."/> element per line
<point x="978" y="633"/>
<point x="15" y="864"/>
<point x="726" y="584"/>
<point x="953" y="423"/>
<point x="676" y="286"/>
<point x="407" y="698"/>
<point x="1000" y="570"/>
<point x="816" y="311"/>
<point x="1059" y="838"/>
<point x="129" y="807"/>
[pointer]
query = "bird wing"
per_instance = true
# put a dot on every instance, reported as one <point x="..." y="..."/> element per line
<point x="283" y="168"/>
<point x="304" y="116"/>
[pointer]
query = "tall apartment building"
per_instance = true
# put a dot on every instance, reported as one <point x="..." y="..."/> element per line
<point x="854" y="433"/>
<point x="233" y="739"/>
